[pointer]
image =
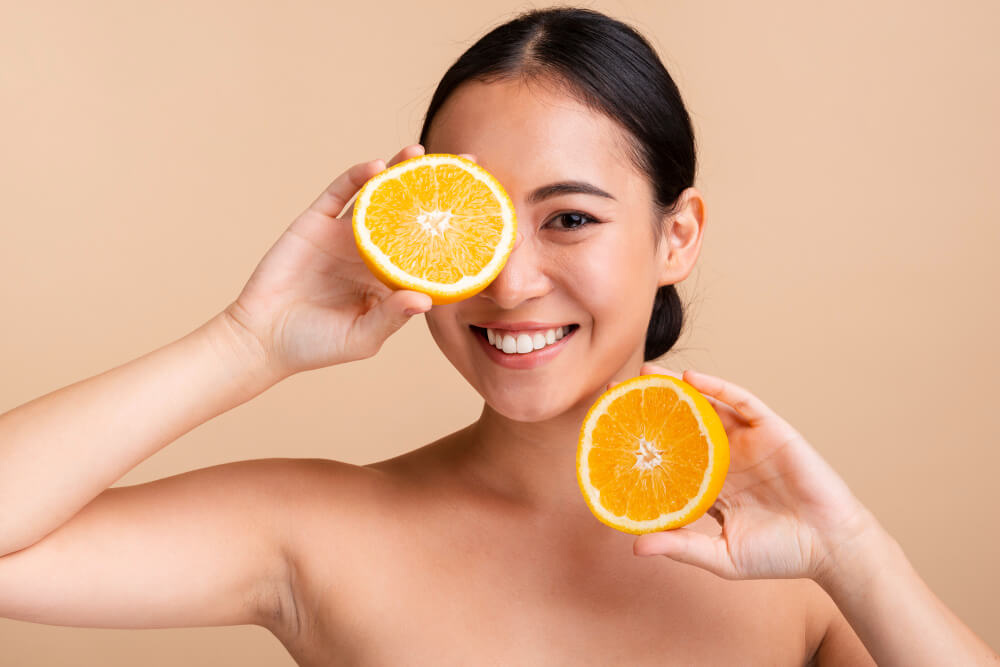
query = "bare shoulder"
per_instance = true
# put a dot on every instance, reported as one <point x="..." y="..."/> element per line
<point x="302" y="481"/>
<point x="319" y="497"/>
<point x="341" y="519"/>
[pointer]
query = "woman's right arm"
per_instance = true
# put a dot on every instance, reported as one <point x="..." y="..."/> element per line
<point x="209" y="546"/>
<point x="59" y="451"/>
<point x="310" y="303"/>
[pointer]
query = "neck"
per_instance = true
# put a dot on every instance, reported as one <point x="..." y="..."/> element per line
<point x="533" y="464"/>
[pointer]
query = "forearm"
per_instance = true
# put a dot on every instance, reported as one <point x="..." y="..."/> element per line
<point x="899" y="619"/>
<point x="59" y="451"/>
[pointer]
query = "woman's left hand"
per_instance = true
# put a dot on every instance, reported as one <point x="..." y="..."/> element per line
<point x="784" y="512"/>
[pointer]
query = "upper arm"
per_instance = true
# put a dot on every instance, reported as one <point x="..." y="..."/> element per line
<point x="206" y="547"/>
<point x="840" y="645"/>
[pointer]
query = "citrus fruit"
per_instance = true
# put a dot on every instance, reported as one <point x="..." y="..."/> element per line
<point x="653" y="455"/>
<point x="438" y="224"/>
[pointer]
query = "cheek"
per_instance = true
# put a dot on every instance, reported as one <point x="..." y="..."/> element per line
<point x="614" y="281"/>
<point x="442" y="322"/>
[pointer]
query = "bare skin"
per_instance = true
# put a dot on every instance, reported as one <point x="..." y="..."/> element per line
<point x="476" y="548"/>
<point x="483" y="537"/>
<point x="457" y="573"/>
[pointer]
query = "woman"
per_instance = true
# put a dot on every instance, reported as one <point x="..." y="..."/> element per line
<point x="476" y="548"/>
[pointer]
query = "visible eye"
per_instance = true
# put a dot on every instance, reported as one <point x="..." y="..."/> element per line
<point x="574" y="219"/>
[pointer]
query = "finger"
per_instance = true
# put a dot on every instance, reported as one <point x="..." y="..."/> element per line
<point x="731" y="420"/>
<point x="650" y="369"/>
<point x="388" y="315"/>
<point x="688" y="546"/>
<point x="411" y="151"/>
<point x="746" y="404"/>
<point x="332" y="200"/>
<point x="468" y="156"/>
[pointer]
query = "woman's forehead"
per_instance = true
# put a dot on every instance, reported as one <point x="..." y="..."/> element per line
<point x="529" y="134"/>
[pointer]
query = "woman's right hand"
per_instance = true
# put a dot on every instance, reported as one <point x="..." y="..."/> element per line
<point x="312" y="302"/>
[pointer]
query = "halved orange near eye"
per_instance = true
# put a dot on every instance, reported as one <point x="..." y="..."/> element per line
<point x="438" y="224"/>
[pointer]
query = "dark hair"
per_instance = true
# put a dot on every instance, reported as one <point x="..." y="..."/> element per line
<point x="609" y="67"/>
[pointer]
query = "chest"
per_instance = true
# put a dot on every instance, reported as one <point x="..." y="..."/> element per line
<point x="463" y="604"/>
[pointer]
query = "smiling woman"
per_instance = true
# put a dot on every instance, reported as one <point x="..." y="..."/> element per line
<point x="604" y="231"/>
<point x="605" y="68"/>
<point x="444" y="553"/>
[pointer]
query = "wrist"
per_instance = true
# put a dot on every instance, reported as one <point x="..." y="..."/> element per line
<point x="857" y="556"/>
<point x="242" y="352"/>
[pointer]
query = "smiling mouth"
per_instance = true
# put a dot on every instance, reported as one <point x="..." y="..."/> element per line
<point x="525" y="342"/>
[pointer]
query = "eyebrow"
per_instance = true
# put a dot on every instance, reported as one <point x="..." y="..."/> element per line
<point x="566" y="187"/>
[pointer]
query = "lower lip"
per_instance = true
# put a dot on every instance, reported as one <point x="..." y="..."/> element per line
<point x="528" y="359"/>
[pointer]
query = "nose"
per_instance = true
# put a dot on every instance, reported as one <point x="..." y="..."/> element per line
<point x="521" y="279"/>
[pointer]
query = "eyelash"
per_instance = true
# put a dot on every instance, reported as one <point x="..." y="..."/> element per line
<point x="591" y="218"/>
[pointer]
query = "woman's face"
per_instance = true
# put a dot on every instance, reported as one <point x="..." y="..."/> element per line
<point x="581" y="260"/>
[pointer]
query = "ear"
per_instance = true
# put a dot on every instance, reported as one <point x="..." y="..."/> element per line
<point x="680" y="242"/>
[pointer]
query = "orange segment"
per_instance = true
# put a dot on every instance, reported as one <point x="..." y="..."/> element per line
<point x="652" y="455"/>
<point x="438" y="223"/>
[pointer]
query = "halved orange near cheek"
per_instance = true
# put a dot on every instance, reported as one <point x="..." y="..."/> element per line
<point x="652" y="455"/>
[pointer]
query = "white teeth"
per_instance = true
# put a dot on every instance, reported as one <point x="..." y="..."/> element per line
<point x="525" y="343"/>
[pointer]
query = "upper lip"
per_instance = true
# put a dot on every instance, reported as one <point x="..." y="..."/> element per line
<point x="522" y="326"/>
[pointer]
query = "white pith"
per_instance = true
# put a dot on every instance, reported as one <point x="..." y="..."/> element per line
<point x="525" y="342"/>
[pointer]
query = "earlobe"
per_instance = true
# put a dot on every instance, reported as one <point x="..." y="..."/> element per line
<point x="681" y="240"/>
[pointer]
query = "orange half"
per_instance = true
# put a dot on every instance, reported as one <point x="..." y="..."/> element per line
<point x="438" y="224"/>
<point x="652" y="455"/>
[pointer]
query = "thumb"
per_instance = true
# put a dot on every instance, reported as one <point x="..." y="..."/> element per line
<point x="391" y="313"/>
<point x="688" y="546"/>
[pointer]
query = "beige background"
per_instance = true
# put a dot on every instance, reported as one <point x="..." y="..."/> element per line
<point x="153" y="152"/>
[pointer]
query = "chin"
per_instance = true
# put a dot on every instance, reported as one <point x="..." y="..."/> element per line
<point x="528" y="406"/>
<point x="524" y="411"/>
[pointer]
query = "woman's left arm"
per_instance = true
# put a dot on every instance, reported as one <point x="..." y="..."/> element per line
<point x="899" y="619"/>
<point x="786" y="514"/>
